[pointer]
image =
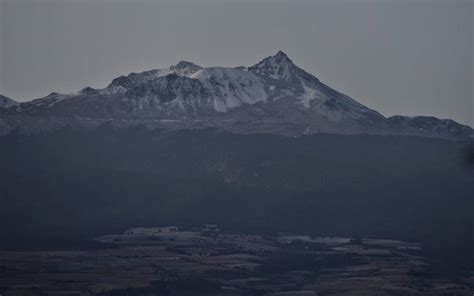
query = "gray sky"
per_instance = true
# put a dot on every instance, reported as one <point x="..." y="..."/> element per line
<point x="398" y="57"/>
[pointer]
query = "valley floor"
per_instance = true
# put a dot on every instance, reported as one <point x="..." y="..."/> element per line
<point x="201" y="260"/>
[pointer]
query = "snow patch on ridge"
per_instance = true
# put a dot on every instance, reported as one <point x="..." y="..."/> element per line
<point x="308" y="95"/>
<point x="230" y="87"/>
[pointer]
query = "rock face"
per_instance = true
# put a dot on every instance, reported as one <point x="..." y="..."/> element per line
<point x="273" y="96"/>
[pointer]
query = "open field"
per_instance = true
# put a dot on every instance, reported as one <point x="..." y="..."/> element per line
<point x="204" y="261"/>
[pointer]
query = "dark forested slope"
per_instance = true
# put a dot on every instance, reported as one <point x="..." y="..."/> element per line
<point x="61" y="188"/>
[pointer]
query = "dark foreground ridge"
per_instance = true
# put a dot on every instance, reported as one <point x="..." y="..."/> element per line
<point x="63" y="188"/>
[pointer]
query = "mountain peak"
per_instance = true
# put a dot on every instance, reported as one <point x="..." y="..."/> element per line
<point x="185" y="68"/>
<point x="278" y="66"/>
<point x="185" y="64"/>
<point x="282" y="57"/>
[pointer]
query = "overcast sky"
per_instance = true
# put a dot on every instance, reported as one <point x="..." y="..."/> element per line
<point x="398" y="57"/>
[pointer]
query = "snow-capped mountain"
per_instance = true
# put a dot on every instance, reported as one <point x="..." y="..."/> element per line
<point x="272" y="96"/>
<point x="286" y="80"/>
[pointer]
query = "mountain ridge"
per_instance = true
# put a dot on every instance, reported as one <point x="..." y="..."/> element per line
<point x="6" y="102"/>
<point x="272" y="96"/>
